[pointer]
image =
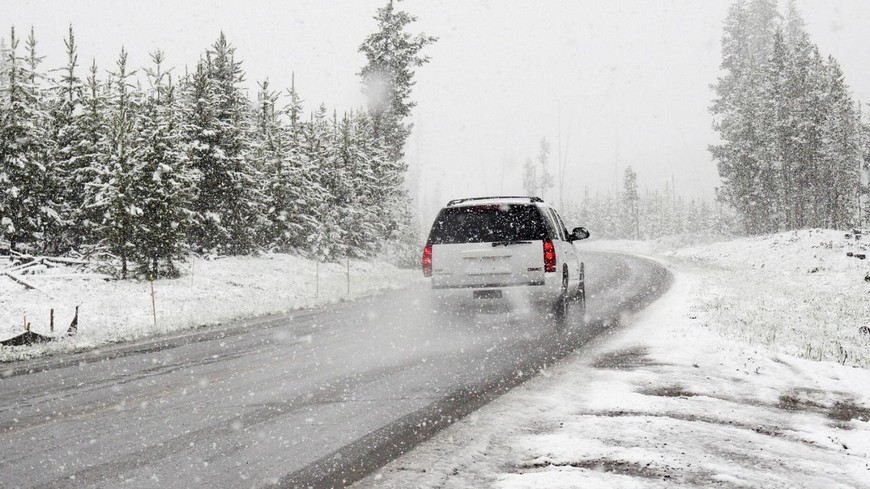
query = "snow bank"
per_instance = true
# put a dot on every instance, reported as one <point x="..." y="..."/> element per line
<point x="798" y="292"/>
<point x="209" y="292"/>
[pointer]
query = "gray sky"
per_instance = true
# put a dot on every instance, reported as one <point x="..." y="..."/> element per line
<point x="625" y="82"/>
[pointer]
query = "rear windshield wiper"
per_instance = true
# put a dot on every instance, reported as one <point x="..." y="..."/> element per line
<point x="508" y="243"/>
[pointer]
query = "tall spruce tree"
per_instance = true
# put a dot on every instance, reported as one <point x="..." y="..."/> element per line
<point x="546" y="178"/>
<point x="228" y="201"/>
<point x="66" y="109"/>
<point x="29" y="217"/>
<point x="747" y="43"/>
<point x="530" y="178"/>
<point x="630" y="204"/>
<point x="789" y="129"/>
<point x="111" y="190"/>
<point x="164" y="182"/>
<point x="840" y="151"/>
<point x="392" y="53"/>
<point x="84" y="168"/>
<point x="318" y="152"/>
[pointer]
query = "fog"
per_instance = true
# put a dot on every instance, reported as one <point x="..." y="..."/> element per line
<point x="609" y="84"/>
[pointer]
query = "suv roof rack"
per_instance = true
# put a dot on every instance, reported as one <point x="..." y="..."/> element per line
<point x="531" y="199"/>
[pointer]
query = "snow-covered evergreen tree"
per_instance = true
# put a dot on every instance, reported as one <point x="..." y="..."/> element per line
<point x="29" y="217"/>
<point x="630" y="204"/>
<point x="290" y="186"/>
<point x="840" y="151"/>
<point x="164" y="182"/>
<point x="66" y="111"/>
<point x="747" y="44"/>
<point x="546" y="178"/>
<point x="530" y="178"/>
<point x="365" y="210"/>
<point x="863" y="208"/>
<point x="319" y="156"/>
<point x="293" y="111"/>
<point x="84" y="167"/>
<point x="229" y="201"/>
<point x="392" y="53"/>
<point x="790" y="132"/>
<point x="113" y="171"/>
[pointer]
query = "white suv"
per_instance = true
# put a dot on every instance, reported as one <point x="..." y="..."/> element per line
<point x="488" y="249"/>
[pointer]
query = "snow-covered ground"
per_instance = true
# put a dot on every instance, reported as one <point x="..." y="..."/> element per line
<point x="797" y="292"/>
<point x="209" y="292"/>
<point x="702" y="389"/>
<point x="750" y="372"/>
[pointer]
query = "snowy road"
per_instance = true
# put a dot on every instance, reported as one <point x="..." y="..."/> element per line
<point x="316" y="398"/>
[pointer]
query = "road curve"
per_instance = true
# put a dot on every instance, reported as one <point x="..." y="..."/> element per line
<point x="311" y="399"/>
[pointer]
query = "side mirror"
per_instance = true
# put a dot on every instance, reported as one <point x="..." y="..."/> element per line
<point x="579" y="233"/>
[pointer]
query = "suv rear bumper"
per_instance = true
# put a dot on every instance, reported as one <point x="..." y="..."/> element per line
<point x="539" y="292"/>
<point x="489" y="286"/>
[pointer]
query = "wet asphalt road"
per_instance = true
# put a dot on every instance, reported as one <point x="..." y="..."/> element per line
<point x="312" y="399"/>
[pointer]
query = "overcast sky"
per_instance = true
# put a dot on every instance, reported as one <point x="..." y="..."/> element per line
<point x="619" y="83"/>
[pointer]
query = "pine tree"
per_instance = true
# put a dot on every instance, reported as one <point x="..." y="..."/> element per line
<point x="164" y="182"/>
<point x="392" y="54"/>
<point x="267" y="147"/>
<point x="66" y="110"/>
<point x="840" y="151"/>
<point x="29" y="217"/>
<point x="747" y="44"/>
<point x="530" y="178"/>
<point x="364" y="213"/>
<point x="774" y="136"/>
<point x="862" y="218"/>
<point x="294" y="194"/>
<point x="84" y="167"/>
<point x="630" y="205"/>
<point x="111" y="191"/>
<point x="326" y="240"/>
<point x="228" y="201"/>
<point x="790" y="133"/>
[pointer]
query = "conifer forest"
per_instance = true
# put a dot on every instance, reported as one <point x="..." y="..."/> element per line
<point x="794" y="149"/>
<point x="147" y="164"/>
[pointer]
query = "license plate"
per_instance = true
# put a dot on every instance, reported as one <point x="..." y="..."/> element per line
<point x="487" y="294"/>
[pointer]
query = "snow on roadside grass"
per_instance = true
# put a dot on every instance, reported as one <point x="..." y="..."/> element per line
<point x="797" y="292"/>
<point x="209" y="292"/>
<point x="661" y="403"/>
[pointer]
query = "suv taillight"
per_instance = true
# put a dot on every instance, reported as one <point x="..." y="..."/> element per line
<point x="427" y="261"/>
<point x="549" y="256"/>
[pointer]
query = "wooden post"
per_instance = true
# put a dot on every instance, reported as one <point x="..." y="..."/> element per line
<point x="153" y="302"/>
<point x="26" y="324"/>
<point x="51" y="321"/>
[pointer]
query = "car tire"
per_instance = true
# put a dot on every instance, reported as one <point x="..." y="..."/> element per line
<point x="560" y="305"/>
<point x="580" y="295"/>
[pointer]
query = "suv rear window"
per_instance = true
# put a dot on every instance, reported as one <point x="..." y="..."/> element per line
<point x="488" y="223"/>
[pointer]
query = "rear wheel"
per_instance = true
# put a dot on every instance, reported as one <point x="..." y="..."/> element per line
<point x="580" y="296"/>
<point x="560" y="306"/>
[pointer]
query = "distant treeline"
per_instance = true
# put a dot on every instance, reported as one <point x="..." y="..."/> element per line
<point x="147" y="165"/>
<point x="793" y="144"/>
<point x="651" y="214"/>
